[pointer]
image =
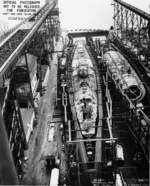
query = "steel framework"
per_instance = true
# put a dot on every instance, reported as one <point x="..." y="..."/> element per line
<point x="128" y="122"/>
<point x="132" y="28"/>
<point x="35" y="36"/>
<point x="132" y="37"/>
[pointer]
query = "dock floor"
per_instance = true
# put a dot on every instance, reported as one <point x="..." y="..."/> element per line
<point x="34" y="167"/>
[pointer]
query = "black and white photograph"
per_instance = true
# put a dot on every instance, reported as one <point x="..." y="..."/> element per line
<point x="74" y="92"/>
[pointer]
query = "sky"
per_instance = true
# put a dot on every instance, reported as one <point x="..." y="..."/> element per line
<point x="77" y="14"/>
<point x="80" y="14"/>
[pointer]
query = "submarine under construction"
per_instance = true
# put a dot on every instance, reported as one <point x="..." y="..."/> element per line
<point x="101" y="89"/>
<point x="75" y="105"/>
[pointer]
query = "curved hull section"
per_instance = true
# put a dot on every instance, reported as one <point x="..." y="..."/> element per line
<point x="124" y="75"/>
<point x="84" y="85"/>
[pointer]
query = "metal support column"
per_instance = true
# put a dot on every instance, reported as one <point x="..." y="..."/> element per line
<point x="29" y="81"/>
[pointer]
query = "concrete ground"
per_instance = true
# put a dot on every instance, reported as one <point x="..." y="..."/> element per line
<point x="34" y="167"/>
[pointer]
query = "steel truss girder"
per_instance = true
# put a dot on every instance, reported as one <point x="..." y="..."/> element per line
<point x="132" y="27"/>
<point x="129" y="23"/>
<point x="133" y="9"/>
<point x="88" y="33"/>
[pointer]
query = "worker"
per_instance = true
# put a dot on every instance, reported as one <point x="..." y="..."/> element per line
<point x="110" y="37"/>
<point x="84" y="108"/>
<point x="111" y="33"/>
<point x="89" y="110"/>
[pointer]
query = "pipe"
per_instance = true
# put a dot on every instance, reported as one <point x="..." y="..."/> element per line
<point x="79" y="140"/>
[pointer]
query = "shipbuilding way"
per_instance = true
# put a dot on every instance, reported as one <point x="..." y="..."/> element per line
<point x="117" y="114"/>
<point x="26" y="60"/>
